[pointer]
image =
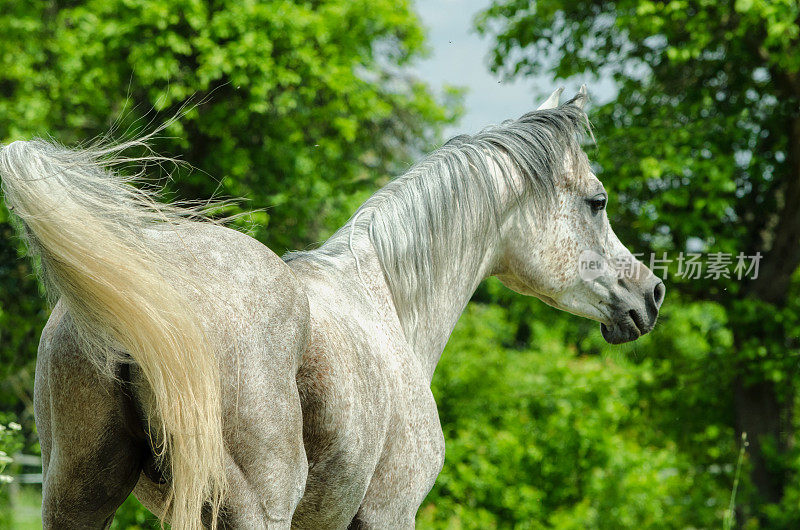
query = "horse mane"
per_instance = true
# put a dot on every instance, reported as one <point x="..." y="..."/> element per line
<point x="420" y="221"/>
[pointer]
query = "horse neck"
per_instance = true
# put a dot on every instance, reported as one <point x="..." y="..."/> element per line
<point x="429" y="238"/>
<point x="428" y="325"/>
<point x="437" y="316"/>
<point x="429" y="302"/>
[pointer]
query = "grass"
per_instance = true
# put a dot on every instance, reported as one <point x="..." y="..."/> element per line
<point x="26" y="509"/>
<point x="730" y="514"/>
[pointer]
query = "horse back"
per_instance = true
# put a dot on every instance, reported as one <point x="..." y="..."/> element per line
<point x="245" y="285"/>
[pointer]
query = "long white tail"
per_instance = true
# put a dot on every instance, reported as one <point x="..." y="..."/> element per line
<point x="88" y="225"/>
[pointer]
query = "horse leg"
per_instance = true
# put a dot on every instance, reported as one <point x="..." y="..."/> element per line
<point x="267" y="468"/>
<point x="398" y="487"/>
<point x="412" y="459"/>
<point x="242" y="509"/>
<point x="90" y="461"/>
<point x="264" y="423"/>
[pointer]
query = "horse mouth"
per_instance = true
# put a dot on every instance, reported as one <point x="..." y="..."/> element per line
<point x="627" y="329"/>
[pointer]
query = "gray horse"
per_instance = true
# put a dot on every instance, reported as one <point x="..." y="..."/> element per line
<point x="224" y="386"/>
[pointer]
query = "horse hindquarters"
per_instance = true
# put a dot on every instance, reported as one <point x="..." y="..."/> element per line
<point x="90" y="434"/>
<point x="256" y="301"/>
<point x="265" y="460"/>
<point x="90" y="460"/>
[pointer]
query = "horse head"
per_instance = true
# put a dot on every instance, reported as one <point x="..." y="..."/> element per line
<point x="564" y="251"/>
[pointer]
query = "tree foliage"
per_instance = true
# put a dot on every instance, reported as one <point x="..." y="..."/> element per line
<point x="550" y="433"/>
<point x="304" y="100"/>
<point x="701" y="150"/>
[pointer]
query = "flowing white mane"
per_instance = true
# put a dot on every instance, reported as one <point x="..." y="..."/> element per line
<point x="421" y="222"/>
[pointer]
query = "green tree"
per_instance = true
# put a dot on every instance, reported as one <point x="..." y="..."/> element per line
<point x="701" y="148"/>
<point x="304" y="101"/>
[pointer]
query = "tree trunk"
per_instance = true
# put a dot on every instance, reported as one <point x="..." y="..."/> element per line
<point x="760" y="414"/>
<point x="758" y="410"/>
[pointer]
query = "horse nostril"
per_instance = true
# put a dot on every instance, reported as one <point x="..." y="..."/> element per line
<point x="638" y="322"/>
<point x="658" y="293"/>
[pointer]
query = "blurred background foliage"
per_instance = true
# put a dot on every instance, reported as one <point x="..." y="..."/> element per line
<point x="308" y="107"/>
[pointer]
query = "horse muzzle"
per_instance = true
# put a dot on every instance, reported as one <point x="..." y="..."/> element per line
<point x="634" y="317"/>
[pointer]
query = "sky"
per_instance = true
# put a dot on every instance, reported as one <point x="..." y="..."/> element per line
<point x="460" y="57"/>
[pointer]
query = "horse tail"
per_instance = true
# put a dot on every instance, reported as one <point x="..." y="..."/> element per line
<point x="89" y="226"/>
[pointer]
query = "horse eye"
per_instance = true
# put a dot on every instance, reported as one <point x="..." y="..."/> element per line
<point x="597" y="203"/>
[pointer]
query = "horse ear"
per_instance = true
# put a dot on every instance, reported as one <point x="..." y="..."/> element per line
<point x="552" y="101"/>
<point x="581" y="97"/>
